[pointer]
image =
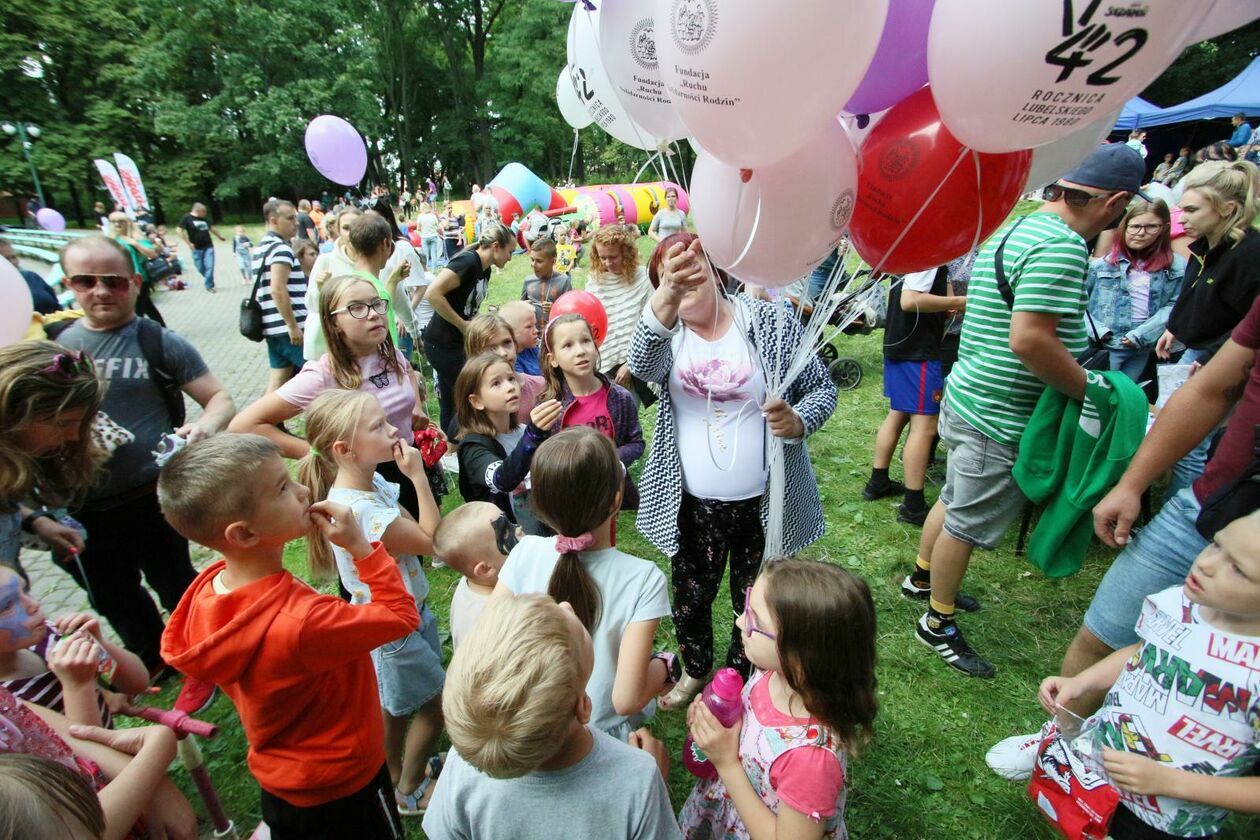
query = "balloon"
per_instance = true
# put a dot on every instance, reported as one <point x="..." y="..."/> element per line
<point x="786" y="219"/>
<point x="899" y="67"/>
<point x="573" y="111"/>
<point x="1013" y="75"/>
<point x="1224" y="16"/>
<point x="588" y="306"/>
<point x="756" y="81"/>
<point x="910" y="159"/>
<point x="336" y="150"/>
<point x="50" y="219"/>
<point x="15" y="304"/>
<point x="627" y="43"/>
<point x="1161" y="191"/>
<point x="857" y="132"/>
<point x="592" y="86"/>
<point x="1053" y="159"/>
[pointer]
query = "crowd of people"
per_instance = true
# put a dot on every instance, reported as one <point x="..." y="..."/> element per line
<point x="344" y="699"/>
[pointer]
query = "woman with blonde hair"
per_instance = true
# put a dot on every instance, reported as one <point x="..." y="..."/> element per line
<point x="621" y="284"/>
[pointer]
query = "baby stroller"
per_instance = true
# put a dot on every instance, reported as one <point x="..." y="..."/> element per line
<point x="863" y="310"/>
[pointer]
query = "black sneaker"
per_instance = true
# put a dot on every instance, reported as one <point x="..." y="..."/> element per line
<point x="949" y="644"/>
<point x="911" y="517"/>
<point x="962" y="600"/>
<point x="873" y="491"/>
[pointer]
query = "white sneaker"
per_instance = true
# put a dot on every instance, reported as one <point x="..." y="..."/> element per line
<point x="1013" y="758"/>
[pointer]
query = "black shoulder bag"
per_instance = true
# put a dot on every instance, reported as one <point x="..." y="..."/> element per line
<point x="251" y="321"/>
<point x="1235" y="500"/>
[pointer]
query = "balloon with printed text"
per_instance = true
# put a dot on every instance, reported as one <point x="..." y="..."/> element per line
<point x="593" y="88"/>
<point x="573" y="111"/>
<point x="923" y="197"/>
<point x="1014" y="75"/>
<point x="627" y="43"/>
<point x="755" y="81"/>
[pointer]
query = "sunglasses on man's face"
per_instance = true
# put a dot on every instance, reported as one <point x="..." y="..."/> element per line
<point x="87" y="282"/>
<point x="1071" y="196"/>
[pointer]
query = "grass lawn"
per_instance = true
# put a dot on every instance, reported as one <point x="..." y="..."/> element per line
<point x="924" y="774"/>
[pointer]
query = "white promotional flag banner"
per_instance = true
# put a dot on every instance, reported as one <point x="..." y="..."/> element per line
<point x="114" y="184"/>
<point x="130" y="174"/>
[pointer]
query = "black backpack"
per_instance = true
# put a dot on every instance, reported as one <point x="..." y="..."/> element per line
<point x="1235" y="500"/>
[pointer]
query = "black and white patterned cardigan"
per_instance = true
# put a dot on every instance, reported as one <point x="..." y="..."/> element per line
<point x="813" y="396"/>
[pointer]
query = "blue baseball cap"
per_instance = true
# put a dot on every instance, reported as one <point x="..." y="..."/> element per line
<point x="1112" y="166"/>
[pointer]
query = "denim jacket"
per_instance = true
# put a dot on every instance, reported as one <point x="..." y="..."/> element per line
<point x="1108" y="288"/>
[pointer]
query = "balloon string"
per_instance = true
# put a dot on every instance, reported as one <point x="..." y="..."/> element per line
<point x="651" y="159"/>
<point x="573" y="156"/>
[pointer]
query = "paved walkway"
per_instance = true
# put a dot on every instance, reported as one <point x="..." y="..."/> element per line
<point x="209" y="321"/>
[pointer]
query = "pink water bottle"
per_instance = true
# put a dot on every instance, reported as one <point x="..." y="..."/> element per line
<point x="722" y="696"/>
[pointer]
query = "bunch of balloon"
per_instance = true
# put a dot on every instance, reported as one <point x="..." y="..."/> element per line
<point x="776" y="223"/>
<point x="923" y="197"/>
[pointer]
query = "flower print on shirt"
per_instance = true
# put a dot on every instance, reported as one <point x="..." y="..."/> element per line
<point x="716" y="379"/>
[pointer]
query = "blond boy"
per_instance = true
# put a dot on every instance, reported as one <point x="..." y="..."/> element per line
<point x="474" y="540"/>
<point x="517" y="713"/>
<point x="520" y="316"/>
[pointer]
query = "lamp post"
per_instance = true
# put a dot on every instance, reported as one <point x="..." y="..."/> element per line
<point x="26" y="132"/>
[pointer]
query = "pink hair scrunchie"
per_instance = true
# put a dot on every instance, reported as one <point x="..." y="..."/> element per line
<point x="579" y="543"/>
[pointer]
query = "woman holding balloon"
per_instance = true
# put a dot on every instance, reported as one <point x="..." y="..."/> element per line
<point x="704" y="485"/>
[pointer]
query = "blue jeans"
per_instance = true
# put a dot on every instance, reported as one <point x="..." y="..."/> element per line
<point x="818" y="278"/>
<point x="203" y="258"/>
<point x="1187" y="471"/>
<point x="1159" y="556"/>
<point x="433" y="250"/>
<point x="1130" y="362"/>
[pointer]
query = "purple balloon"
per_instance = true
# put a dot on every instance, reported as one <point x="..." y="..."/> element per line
<point x="50" y="219"/>
<point x="899" y="67"/>
<point x="336" y="150"/>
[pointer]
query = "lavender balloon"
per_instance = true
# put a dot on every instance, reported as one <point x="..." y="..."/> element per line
<point x="50" y="219"/>
<point x="899" y="67"/>
<point x="336" y="150"/>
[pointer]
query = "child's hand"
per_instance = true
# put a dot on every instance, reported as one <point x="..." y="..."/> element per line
<point x="337" y="523"/>
<point x="1056" y="692"/>
<point x="129" y="741"/>
<point x="409" y="461"/>
<point x="67" y="625"/>
<point x="719" y="743"/>
<point x="545" y="414"/>
<point x="1137" y="774"/>
<point x="75" y="659"/>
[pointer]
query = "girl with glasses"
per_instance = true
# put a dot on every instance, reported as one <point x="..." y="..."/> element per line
<point x="809" y="630"/>
<point x="1133" y="288"/>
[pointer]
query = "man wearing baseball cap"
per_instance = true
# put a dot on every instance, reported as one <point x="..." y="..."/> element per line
<point x="1024" y="330"/>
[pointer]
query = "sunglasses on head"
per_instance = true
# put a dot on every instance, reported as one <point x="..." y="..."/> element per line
<point x="87" y="282"/>
<point x="69" y="364"/>
<point x="1071" y="196"/>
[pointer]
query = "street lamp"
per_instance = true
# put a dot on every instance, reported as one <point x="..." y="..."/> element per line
<point x="25" y="131"/>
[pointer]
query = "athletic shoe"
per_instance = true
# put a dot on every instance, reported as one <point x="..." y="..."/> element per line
<point x="949" y="644"/>
<point x="878" y="490"/>
<point x="1013" y="758"/>
<point x="962" y="600"/>
<point x="195" y="696"/>
<point x="911" y="517"/>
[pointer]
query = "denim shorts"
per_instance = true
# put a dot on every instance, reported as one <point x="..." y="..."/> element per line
<point x="1159" y="556"/>
<point x="980" y="495"/>
<point x="409" y="671"/>
<point x="282" y="353"/>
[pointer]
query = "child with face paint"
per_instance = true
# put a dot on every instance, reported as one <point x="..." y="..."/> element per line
<point x="61" y="665"/>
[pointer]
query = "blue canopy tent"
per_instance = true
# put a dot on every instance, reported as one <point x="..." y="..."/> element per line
<point x="1239" y="95"/>
<point x="1137" y="111"/>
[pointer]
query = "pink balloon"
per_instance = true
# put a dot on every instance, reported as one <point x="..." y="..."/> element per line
<point x="781" y="223"/>
<point x="50" y="219"/>
<point x="336" y="150"/>
<point x="15" y="305"/>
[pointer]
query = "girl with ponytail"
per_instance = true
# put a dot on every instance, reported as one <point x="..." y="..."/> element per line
<point x="577" y="486"/>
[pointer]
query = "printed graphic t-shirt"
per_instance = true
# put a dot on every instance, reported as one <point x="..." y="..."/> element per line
<point x="198" y="231"/>
<point x="592" y="410"/>
<point x="1189" y="698"/>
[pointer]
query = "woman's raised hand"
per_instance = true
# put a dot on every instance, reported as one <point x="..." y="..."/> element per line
<point x="684" y="269"/>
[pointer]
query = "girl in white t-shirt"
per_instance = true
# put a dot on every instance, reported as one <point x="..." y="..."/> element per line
<point x="577" y="483"/>
<point x="349" y="437"/>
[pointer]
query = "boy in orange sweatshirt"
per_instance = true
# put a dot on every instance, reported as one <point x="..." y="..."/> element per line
<point x="294" y="662"/>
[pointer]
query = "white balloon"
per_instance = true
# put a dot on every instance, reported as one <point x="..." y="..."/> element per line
<point x="1014" y="75"/>
<point x="1224" y="16"/>
<point x="592" y="86"/>
<point x="573" y="111"/>
<point x="753" y="80"/>
<point x="16" y="306"/>
<point x="858" y="134"/>
<point x="1161" y="191"/>
<point x="1053" y="159"/>
<point x="627" y="44"/>
<point x="788" y="216"/>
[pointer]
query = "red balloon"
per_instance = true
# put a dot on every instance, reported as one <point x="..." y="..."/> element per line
<point x="905" y="157"/>
<point x="414" y="236"/>
<point x="588" y="306"/>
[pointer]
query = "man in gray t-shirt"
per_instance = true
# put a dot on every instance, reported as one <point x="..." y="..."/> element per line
<point x="126" y="533"/>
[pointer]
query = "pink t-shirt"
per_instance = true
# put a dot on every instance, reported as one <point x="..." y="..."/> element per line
<point x="808" y="779"/>
<point x="591" y="410"/>
<point x="396" y="395"/>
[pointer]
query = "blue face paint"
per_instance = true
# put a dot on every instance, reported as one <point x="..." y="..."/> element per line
<point x="13" y="615"/>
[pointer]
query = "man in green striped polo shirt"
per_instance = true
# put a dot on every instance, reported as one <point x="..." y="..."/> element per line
<point x="1018" y="337"/>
